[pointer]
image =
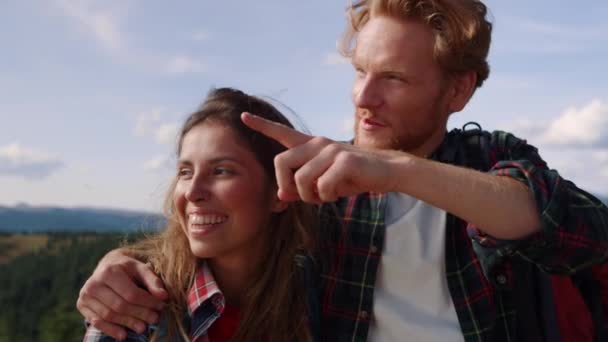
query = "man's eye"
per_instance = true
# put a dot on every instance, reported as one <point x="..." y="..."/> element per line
<point x="220" y="171"/>
<point x="394" y="78"/>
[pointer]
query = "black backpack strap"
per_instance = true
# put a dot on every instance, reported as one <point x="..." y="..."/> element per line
<point x="474" y="147"/>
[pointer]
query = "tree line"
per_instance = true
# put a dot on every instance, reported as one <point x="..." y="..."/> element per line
<point x="38" y="289"/>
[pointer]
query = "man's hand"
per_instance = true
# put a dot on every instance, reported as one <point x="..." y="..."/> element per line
<point x="111" y="299"/>
<point x="317" y="169"/>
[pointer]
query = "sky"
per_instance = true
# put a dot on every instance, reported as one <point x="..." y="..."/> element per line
<point x="92" y="92"/>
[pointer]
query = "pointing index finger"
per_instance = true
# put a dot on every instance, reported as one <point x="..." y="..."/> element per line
<point x="288" y="137"/>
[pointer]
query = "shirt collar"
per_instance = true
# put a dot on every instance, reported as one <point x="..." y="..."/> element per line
<point x="205" y="289"/>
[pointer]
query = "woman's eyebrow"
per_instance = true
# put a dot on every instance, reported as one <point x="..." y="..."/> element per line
<point x="220" y="159"/>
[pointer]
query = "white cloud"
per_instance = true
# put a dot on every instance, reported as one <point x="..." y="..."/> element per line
<point x="580" y="165"/>
<point x="184" y="64"/>
<point x="586" y="126"/>
<point x="167" y="133"/>
<point x="105" y="26"/>
<point x="600" y="156"/>
<point x="16" y="160"/>
<point x="102" y="25"/>
<point x="145" y="122"/>
<point x="157" y="163"/>
<point x="549" y="38"/>
<point x="524" y="127"/>
<point x="334" y="58"/>
<point x="604" y="172"/>
<point x="554" y="30"/>
<point x="151" y="124"/>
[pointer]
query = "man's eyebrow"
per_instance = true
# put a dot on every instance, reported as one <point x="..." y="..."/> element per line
<point x="215" y="160"/>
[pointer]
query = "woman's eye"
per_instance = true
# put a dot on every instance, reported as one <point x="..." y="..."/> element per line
<point x="182" y="173"/>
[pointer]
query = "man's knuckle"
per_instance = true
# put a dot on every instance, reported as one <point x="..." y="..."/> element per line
<point x="279" y="160"/>
<point x="84" y="292"/>
<point x="128" y="322"/>
<point x="104" y="272"/>
<point x="79" y="304"/>
<point x="300" y="178"/>
<point x="105" y="314"/>
<point x="320" y="141"/>
<point x="347" y="159"/>
<point x="323" y="185"/>
<point x="333" y="148"/>
<point x="131" y="297"/>
<point x="98" y="323"/>
<point x="119" y="305"/>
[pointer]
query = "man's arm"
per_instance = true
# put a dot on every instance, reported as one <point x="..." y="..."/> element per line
<point x="573" y="224"/>
<point x="317" y="169"/>
<point x="504" y="207"/>
<point x="111" y="298"/>
<point x="520" y="205"/>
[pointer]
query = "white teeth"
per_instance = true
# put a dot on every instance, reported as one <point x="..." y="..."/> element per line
<point x="206" y="219"/>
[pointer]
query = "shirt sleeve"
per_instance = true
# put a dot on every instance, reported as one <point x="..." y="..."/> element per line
<point x="574" y="224"/>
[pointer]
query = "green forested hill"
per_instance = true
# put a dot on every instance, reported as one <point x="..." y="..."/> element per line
<point x="40" y="284"/>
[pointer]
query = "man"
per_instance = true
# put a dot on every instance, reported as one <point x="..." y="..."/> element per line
<point x="421" y="246"/>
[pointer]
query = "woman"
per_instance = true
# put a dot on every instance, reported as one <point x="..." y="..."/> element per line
<point x="228" y="254"/>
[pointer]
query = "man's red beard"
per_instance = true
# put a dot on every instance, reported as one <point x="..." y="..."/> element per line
<point x="393" y="141"/>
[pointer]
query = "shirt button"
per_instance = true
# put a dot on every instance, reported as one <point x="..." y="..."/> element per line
<point x="363" y="314"/>
<point x="374" y="249"/>
<point x="501" y="279"/>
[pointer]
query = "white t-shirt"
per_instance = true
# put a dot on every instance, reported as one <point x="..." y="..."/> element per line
<point x="411" y="297"/>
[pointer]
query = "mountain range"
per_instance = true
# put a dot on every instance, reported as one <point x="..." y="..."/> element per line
<point x="23" y="218"/>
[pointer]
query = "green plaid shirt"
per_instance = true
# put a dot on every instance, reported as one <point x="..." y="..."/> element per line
<point x="479" y="275"/>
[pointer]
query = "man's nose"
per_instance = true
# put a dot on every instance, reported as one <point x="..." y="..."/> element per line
<point x="367" y="93"/>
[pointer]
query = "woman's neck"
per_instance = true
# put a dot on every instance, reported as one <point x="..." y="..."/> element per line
<point x="234" y="275"/>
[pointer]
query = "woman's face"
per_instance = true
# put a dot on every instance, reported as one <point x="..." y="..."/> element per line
<point x="222" y="197"/>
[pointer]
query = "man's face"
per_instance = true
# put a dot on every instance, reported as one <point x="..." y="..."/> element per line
<point x="399" y="92"/>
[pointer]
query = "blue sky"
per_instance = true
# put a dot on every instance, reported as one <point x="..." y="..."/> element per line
<point x="91" y="92"/>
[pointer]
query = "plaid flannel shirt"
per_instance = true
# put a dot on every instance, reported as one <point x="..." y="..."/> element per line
<point x="574" y="235"/>
<point x="206" y="304"/>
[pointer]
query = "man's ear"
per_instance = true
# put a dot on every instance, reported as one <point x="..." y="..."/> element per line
<point x="461" y="89"/>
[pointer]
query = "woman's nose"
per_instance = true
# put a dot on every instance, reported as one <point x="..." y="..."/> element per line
<point x="198" y="190"/>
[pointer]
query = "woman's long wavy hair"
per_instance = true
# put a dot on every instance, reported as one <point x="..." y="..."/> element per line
<point x="275" y="307"/>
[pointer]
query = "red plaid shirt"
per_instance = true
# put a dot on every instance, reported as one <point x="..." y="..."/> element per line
<point x="206" y="304"/>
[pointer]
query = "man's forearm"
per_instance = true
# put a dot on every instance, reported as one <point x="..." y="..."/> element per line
<point x="500" y="206"/>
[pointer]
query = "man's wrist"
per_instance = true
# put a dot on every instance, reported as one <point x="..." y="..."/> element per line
<point x="402" y="170"/>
